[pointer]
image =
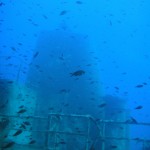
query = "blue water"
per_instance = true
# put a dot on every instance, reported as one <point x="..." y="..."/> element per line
<point x="107" y="39"/>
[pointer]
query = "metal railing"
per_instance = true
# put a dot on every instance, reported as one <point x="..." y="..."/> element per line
<point x="60" y="130"/>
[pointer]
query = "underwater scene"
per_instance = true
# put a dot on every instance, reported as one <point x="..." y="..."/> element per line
<point x="74" y="75"/>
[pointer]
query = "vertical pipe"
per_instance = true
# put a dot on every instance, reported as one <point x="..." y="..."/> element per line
<point x="88" y="132"/>
<point x="47" y="132"/>
<point x="103" y="136"/>
<point x="144" y="145"/>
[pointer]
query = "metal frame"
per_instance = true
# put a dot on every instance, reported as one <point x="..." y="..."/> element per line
<point x="87" y="136"/>
<point x="101" y="135"/>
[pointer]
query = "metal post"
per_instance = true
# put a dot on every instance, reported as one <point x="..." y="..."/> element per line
<point x="47" y="133"/>
<point x="88" y="132"/>
<point x="103" y="135"/>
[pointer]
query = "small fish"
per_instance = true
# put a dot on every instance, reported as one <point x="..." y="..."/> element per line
<point x="30" y="20"/>
<point x="20" y="44"/>
<point x="64" y="91"/>
<point x="131" y="120"/>
<point x="23" y="126"/>
<point x="113" y="146"/>
<point x="63" y="12"/>
<point x="138" y="140"/>
<point x="9" y="57"/>
<point x="21" y="106"/>
<point x="124" y="73"/>
<point x="144" y="83"/>
<point x="10" y="82"/>
<point x="139" y="86"/>
<point x="8" y="145"/>
<point x="77" y="128"/>
<point x="32" y="142"/>
<point x="117" y="88"/>
<point x="139" y="107"/>
<point x="5" y="136"/>
<point x="21" y="111"/>
<point x="79" y="2"/>
<point x="1" y="4"/>
<point x="92" y="82"/>
<point x="35" y="24"/>
<point x="17" y="133"/>
<point x="89" y="65"/>
<point x="61" y="57"/>
<point x="13" y="48"/>
<point x="51" y="108"/>
<point x="66" y="105"/>
<point x="102" y="105"/>
<point x="93" y="99"/>
<point x="77" y="73"/>
<point x="97" y="119"/>
<point x="62" y="142"/>
<point x="110" y="23"/>
<point x="45" y="17"/>
<point x="36" y="54"/>
<point x="27" y="123"/>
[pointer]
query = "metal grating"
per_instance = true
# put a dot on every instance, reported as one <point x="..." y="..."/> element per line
<point x="68" y="131"/>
